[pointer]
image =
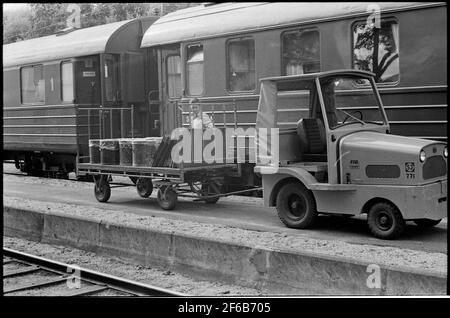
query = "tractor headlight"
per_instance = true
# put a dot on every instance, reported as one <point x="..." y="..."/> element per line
<point x="422" y="156"/>
<point x="445" y="152"/>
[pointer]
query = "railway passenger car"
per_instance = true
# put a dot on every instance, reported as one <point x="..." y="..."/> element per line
<point x="49" y="82"/>
<point x="217" y="53"/>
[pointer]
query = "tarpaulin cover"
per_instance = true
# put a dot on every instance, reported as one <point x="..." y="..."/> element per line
<point x="267" y="111"/>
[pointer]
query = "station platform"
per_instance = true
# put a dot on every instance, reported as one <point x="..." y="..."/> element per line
<point x="281" y="264"/>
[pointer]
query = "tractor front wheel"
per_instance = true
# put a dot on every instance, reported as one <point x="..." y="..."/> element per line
<point x="385" y="221"/>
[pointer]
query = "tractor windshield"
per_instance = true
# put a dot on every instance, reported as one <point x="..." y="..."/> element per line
<point x="346" y="103"/>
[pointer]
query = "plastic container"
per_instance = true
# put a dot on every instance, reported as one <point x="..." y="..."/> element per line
<point x="126" y="152"/>
<point x="109" y="152"/>
<point x="144" y="150"/>
<point x="94" y="151"/>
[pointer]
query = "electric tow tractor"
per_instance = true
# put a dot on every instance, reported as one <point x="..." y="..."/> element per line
<point x="340" y="158"/>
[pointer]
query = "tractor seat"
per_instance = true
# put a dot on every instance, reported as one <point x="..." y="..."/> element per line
<point x="311" y="133"/>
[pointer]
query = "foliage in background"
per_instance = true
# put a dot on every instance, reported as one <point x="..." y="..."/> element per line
<point x="41" y="19"/>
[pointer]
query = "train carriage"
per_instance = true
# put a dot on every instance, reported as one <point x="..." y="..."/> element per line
<point x="219" y="52"/>
<point x="63" y="90"/>
<point x="48" y="81"/>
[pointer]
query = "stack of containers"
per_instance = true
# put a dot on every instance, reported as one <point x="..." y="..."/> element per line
<point x="126" y="151"/>
<point x="109" y="152"/>
<point x="144" y="150"/>
<point x="94" y="151"/>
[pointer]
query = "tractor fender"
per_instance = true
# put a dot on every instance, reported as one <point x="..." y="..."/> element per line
<point x="274" y="181"/>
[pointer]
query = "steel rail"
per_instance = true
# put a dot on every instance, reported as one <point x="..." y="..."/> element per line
<point x="101" y="279"/>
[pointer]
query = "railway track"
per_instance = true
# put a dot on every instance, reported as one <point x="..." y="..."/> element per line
<point x="25" y="274"/>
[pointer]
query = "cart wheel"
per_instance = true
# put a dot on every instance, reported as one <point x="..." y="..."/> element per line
<point x="385" y="221"/>
<point x="212" y="200"/>
<point x="426" y="223"/>
<point x="296" y="206"/>
<point x="167" y="198"/>
<point x="102" y="190"/>
<point x="212" y="187"/>
<point x="144" y="187"/>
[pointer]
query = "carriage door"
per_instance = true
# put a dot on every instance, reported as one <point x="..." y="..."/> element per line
<point x="171" y="88"/>
<point x="111" y="96"/>
<point x="152" y="117"/>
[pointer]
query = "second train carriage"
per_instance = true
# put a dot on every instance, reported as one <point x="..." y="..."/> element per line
<point x="48" y="81"/>
<point x="219" y="52"/>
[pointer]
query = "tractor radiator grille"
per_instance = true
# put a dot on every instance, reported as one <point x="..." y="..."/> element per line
<point x="434" y="167"/>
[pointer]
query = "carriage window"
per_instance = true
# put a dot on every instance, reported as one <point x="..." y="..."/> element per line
<point x="377" y="44"/>
<point x="241" y="65"/>
<point x="111" y="77"/>
<point x="301" y="52"/>
<point x="174" y="76"/>
<point x="32" y="84"/>
<point x="67" y="81"/>
<point x="194" y="67"/>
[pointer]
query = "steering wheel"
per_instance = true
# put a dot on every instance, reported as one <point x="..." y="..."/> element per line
<point x="353" y="112"/>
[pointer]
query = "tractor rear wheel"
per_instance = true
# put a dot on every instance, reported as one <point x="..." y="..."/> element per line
<point x="385" y="221"/>
<point x="296" y="206"/>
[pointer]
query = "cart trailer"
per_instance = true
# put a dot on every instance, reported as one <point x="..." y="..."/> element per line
<point x="203" y="183"/>
<point x="345" y="162"/>
<point x="198" y="180"/>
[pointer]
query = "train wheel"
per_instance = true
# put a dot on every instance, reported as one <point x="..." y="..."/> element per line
<point x="167" y="198"/>
<point x="385" y="221"/>
<point x="296" y="206"/>
<point x="426" y="223"/>
<point x="144" y="187"/>
<point x="102" y="190"/>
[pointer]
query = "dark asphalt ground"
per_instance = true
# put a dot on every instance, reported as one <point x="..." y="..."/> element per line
<point x="235" y="212"/>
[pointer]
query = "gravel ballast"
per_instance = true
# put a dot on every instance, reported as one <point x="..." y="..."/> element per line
<point x="165" y="279"/>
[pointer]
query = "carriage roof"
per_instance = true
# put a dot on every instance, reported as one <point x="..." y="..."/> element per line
<point x="81" y="42"/>
<point x="233" y="18"/>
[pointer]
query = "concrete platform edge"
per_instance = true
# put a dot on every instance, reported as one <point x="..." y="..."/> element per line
<point x="273" y="271"/>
